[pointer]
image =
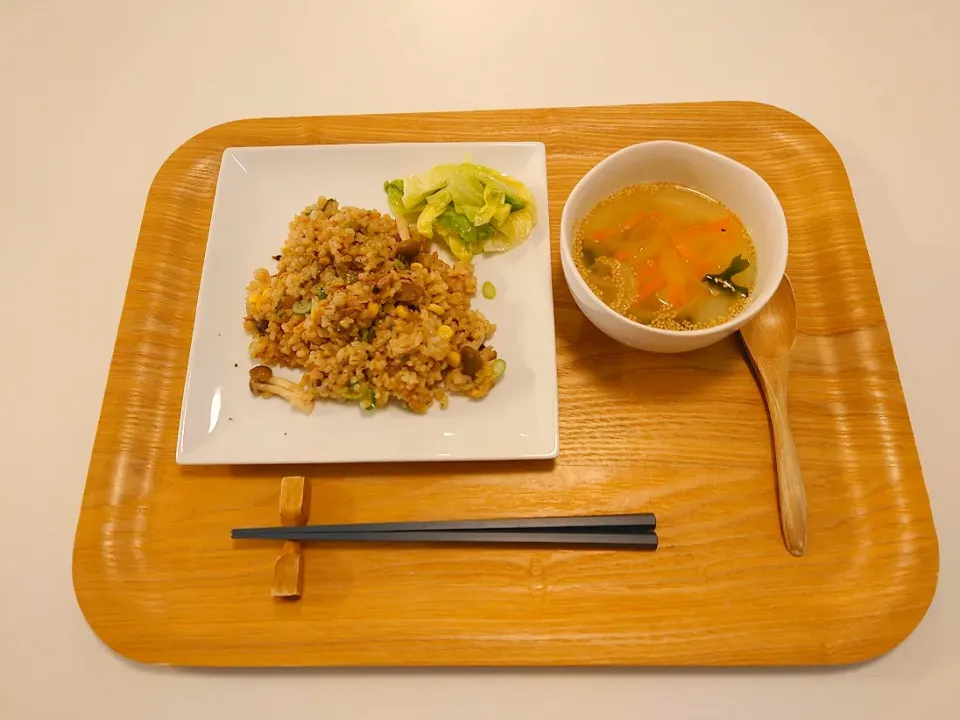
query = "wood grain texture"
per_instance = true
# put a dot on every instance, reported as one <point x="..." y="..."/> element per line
<point x="683" y="436"/>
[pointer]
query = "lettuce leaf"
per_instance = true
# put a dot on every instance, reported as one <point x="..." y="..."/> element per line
<point x="514" y="231"/>
<point x="500" y="216"/>
<point x="493" y="200"/>
<point x="394" y="190"/>
<point x="436" y="204"/>
<point x="516" y="192"/>
<point x="458" y="224"/>
<point x="467" y="193"/>
<point x="453" y="240"/>
<point x="417" y="187"/>
<point x="472" y="207"/>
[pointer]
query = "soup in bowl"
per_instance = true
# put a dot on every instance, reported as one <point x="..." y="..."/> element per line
<point x="670" y="247"/>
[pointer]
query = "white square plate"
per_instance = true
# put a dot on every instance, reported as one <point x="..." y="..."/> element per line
<point x="258" y="191"/>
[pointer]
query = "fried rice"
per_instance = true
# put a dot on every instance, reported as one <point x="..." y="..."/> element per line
<point x="369" y="313"/>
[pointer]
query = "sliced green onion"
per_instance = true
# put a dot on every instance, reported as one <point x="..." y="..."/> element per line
<point x="352" y="392"/>
<point x="302" y="307"/>
<point x="498" y="368"/>
<point x="321" y="293"/>
<point x="488" y="290"/>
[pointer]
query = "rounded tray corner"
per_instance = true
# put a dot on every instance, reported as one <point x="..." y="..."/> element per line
<point x="92" y="613"/>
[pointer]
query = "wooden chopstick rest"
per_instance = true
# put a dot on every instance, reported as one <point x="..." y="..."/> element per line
<point x="294" y="500"/>
<point x="294" y="511"/>
<point x="288" y="572"/>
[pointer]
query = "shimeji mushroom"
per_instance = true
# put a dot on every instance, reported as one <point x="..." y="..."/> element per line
<point x="471" y="359"/>
<point x="262" y="382"/>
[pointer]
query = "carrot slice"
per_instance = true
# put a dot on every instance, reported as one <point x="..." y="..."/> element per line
<point x="676" y="295"/>
<point x="645" y="270"/>
<point x="682" y="250"/>
<point x="605" y="233"/>
<point x="647" y="289"/>
<point x="695" y="265"/>
<point x="635" y="220"/>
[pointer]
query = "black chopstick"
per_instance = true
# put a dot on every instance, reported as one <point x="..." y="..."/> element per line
<point x="281" y="533"/>
<point x="638" y="540"/>
<point x="636" y="522"/>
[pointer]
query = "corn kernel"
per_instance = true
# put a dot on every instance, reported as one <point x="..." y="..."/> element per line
<point x="402" y="312"/>
<point x="416" y="266"/>
<point x="434" y="308"/>
<point x="445" y="331"/>
<point x="454" y="359"/>
<point x="371" y="310"/>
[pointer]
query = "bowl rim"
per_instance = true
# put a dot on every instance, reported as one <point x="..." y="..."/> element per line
<point x="738" y="320"/>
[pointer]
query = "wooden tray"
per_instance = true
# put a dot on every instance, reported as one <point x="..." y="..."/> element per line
<point x="159" y="579"/>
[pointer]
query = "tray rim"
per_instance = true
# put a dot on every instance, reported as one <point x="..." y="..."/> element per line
<point x="877" y="649"/>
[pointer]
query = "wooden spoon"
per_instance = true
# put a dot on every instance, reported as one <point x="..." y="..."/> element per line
<point x="769" y="337"/>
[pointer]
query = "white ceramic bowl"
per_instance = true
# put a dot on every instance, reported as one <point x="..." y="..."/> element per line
<point x="735" y="185"/>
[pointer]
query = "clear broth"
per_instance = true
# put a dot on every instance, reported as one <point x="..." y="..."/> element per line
<point x="666" y="256"/>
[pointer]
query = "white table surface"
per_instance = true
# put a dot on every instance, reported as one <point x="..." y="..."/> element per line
<point x="94" y="95"/>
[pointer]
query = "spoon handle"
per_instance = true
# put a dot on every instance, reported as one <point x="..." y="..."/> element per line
<point x="790" y="488"/>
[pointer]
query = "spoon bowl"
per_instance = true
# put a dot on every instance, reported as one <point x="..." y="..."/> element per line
<point x="773" y="331"/>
